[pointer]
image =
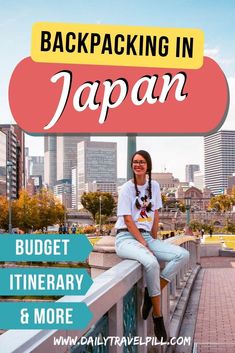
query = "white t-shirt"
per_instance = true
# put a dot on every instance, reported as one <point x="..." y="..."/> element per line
<point x="126" y="204"/>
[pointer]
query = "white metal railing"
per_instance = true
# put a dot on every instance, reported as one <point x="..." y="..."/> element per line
<point x="106" y="295"/>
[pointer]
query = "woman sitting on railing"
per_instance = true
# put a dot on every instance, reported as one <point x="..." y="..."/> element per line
<point x="136" y="239"/>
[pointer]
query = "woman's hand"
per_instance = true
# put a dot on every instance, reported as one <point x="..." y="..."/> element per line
<point x="135" y="231"/>
<point x="146" y="245"/>
<point x="143" y="242"/>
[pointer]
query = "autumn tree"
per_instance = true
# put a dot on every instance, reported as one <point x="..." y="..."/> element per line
<point x="233" y="195"/>
<point x="92" y="201"/>
<point x="221" y="203"/>
<point x="3" y="212"/>
<point x="164" y="199"/>
<point x="49" y="209"/>
<point x="32" y="212"/>
<point x="172" y="203"/>
<point x="181" y="206"/>
<point x="196" y="225"/>
<point x="24" y="211"/>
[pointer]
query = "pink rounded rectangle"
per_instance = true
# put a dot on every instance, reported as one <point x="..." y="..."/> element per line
<point x="61" y="98"/>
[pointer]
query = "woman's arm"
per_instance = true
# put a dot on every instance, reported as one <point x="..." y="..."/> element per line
<point x="154" y="229"/>
<point x="133" y="229"/>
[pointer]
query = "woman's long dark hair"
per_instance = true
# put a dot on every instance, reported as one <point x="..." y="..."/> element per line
<point x="148" y="159"/>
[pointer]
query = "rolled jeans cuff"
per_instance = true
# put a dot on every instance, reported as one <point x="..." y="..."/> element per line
<point x="165" y="278"/>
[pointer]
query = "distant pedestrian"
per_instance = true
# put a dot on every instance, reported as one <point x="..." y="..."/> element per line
<point x="60" y="229"/>
<point x="210" y="232"/>
<point x="73" y="229"/>
<point x="202" y="232"/>
<point x="64" y="229"/>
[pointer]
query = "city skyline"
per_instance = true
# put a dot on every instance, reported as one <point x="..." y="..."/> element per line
<point x="219" y="160"/>
<point x="216" y="20"/>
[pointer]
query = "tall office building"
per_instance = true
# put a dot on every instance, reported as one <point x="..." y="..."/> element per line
<point x="189" y="172"/>
<point x="37" y="166"/>
<point x="3" y="163"/>
<point x="199" y="180"/>
<point x="67" y="154"/>
<point x="50" y="160"/>
<point x="231" y="183"/>
<point x="62" y="190"/>
<point x="27" y="164"/>
<point x="15" y="154"/>
<point x="96" y="161"/>
<point x="74" y="187"/>
<point x="34" y="165"/>
<point x="219" y="150"/>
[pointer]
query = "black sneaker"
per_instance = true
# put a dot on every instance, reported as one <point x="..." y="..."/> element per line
<point x="159" y="328"/>
<point x="147" y="305"/>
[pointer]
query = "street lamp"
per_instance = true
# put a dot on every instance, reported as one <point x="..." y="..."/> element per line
<point x="131" y="149"/>
<point x="64" y="201"/>
<point x="100" y="199"/>
<point x="9" y="172"/>
<point x="188" y="206"/>
<point x="176" y="214"/>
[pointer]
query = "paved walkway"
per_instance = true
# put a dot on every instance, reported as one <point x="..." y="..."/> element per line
<point x="215" y="325"/>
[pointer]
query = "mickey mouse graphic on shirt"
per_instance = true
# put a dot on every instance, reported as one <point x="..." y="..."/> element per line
<point x="145" y="207"/>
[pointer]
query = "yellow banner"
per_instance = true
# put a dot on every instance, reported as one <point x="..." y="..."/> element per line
<point x="117" y="45"/>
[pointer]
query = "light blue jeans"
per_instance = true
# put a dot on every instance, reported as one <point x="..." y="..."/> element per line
<point x="129" y="248"/>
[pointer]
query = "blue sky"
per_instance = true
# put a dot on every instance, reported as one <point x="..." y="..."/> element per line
<point x="215" y="18"/>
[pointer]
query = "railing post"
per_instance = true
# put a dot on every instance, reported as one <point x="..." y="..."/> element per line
<point x="194" y="251"/>
<point x="165" y="299"/>
<point x="116" y="325"/>
<point x="186" y="266"/>
<point x="178" y="283"/>
<point x="191" y="251"/>
<point x="173" y="288"/>
<point x="198" y="257"/>
<point x="103" y="256"/>
<point x="182" y="274"/>
<point x="141" y="324"/>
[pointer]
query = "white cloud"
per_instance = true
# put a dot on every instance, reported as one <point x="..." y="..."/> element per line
<point x="212" y="52"/>
<point x="215" y="53"/>
<point x="224" y="61"/>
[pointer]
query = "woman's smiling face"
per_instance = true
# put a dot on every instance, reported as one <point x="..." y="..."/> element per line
<point x="139" y="165"/>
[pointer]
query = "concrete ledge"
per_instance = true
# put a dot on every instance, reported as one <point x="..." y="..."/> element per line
<point x="226" y="253"/>
<point x="103" y="260"/>
<point x="103" y="256"/>
<point x="105" y="244"/>
<point x="210" y="249"/>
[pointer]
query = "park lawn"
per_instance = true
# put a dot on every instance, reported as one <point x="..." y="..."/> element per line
<point x="229" y="240"/>
<point x="94" y="240"/>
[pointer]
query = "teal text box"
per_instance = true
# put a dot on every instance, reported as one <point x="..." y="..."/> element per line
<point x="44" y="247"/>
<point x="44" y="281"/>
<point x="48" y="316"/>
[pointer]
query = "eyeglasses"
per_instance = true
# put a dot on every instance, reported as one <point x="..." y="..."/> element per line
<point x="136" y="162"/>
